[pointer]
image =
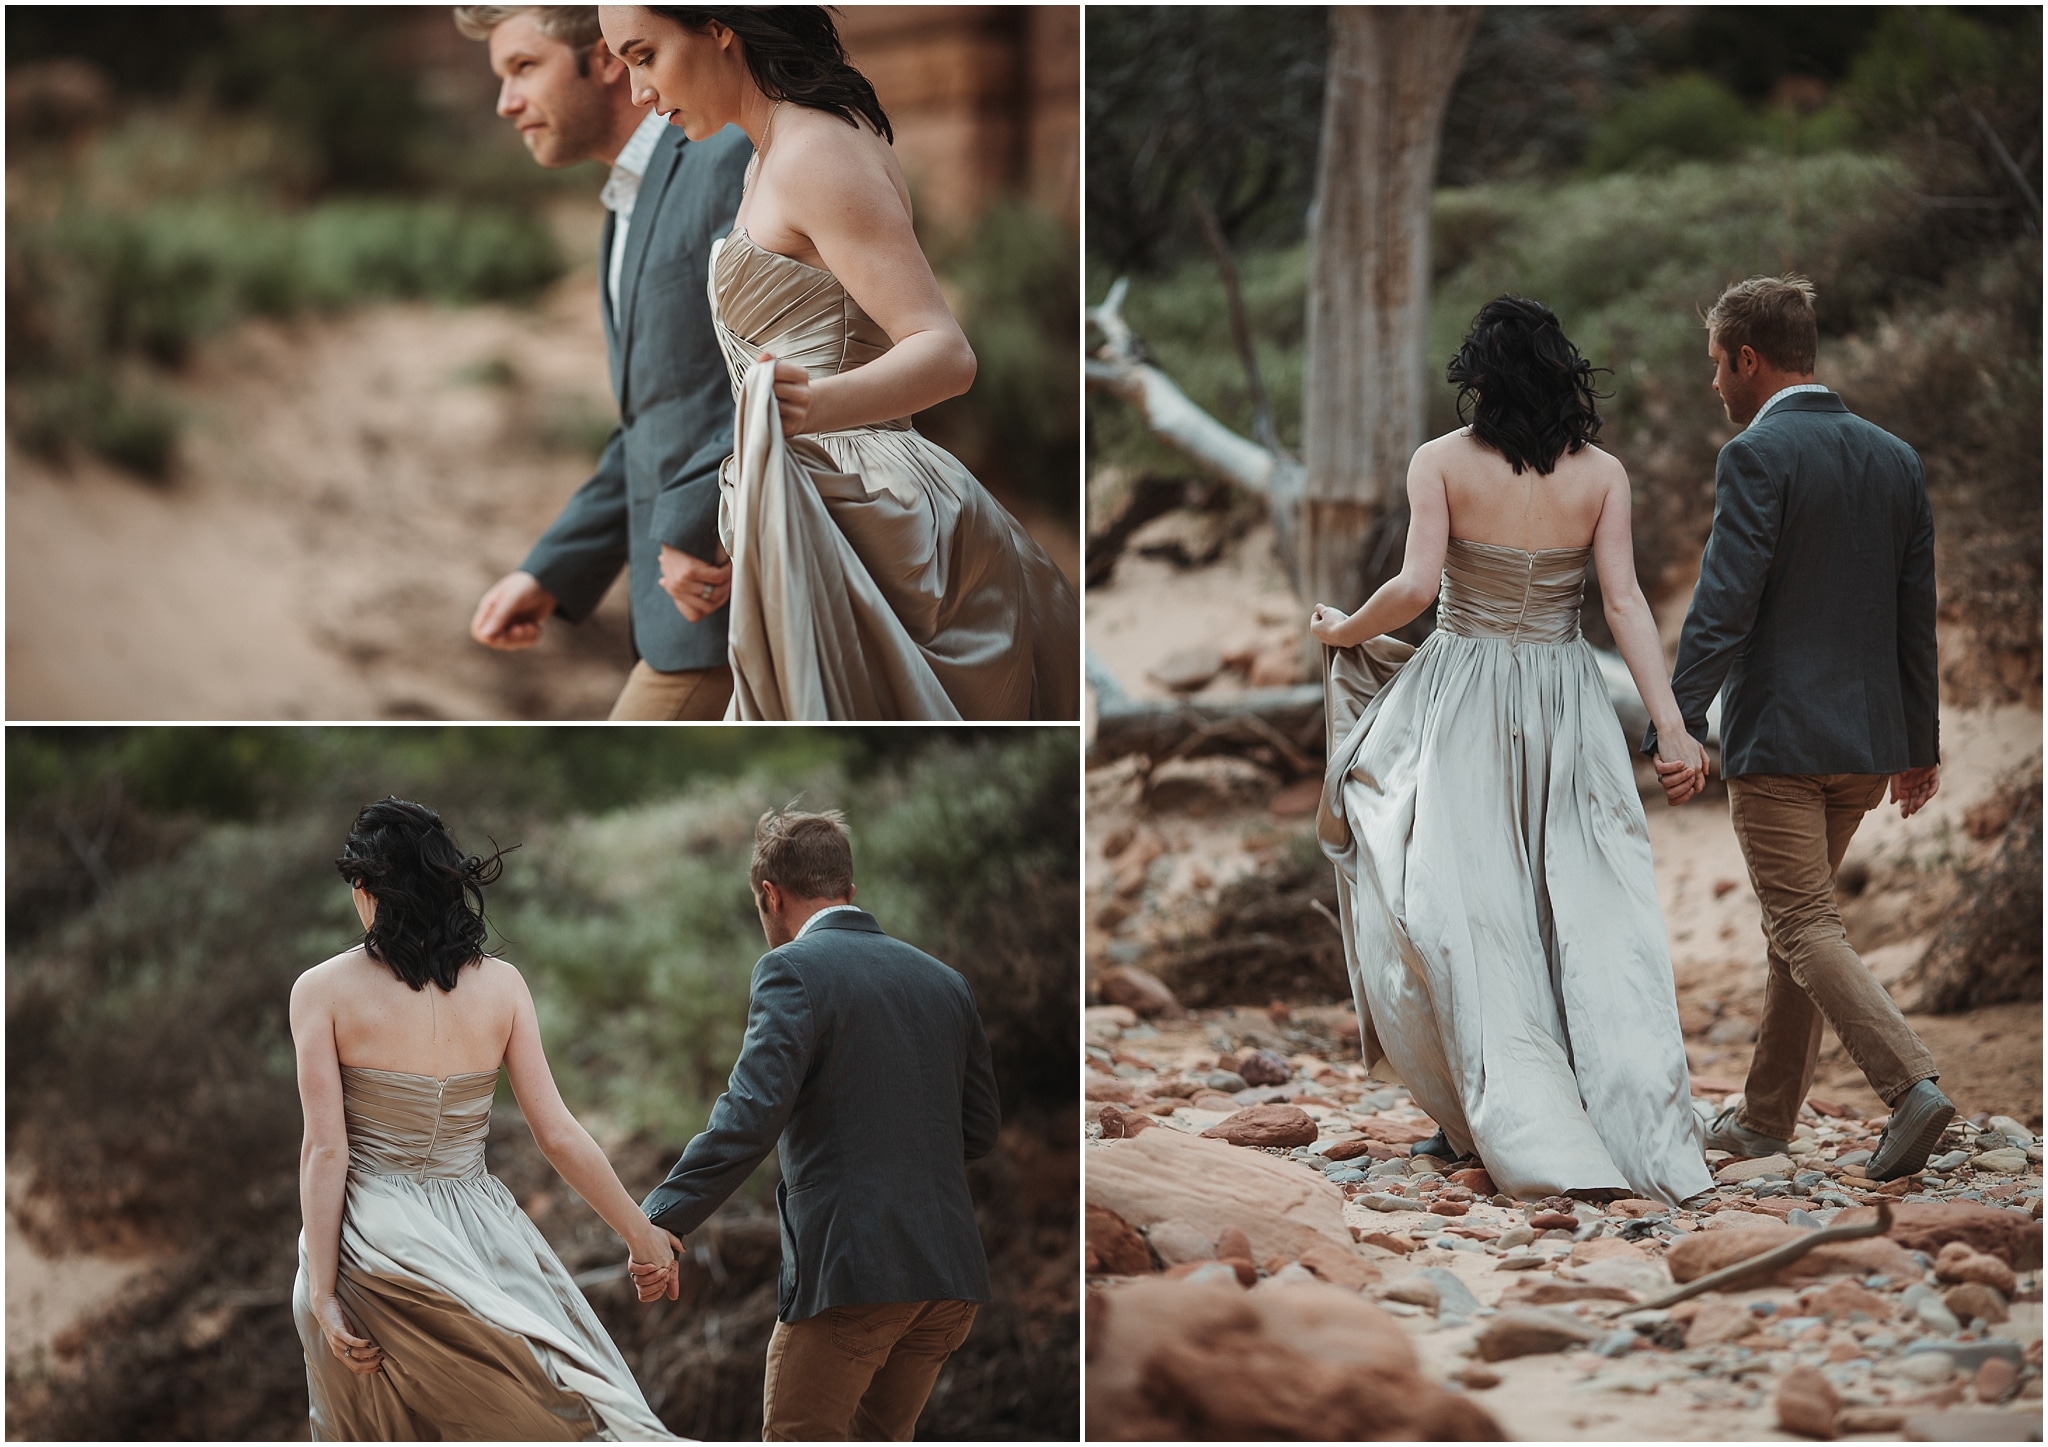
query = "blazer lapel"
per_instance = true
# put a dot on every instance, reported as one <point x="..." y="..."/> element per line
<point x="604" y="299"/>
<point x="661" y="169"/>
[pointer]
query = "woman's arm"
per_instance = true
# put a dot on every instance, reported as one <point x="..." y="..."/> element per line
<point x="832" y="184"/>
<point x="564" y="1141"/>
<point x="1414" y="588"/>
<point x="323" y="1170"/>
<point x="1635" y="634"/>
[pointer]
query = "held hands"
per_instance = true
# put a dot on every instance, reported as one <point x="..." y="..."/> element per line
<point x="1331" y="626"/>
<point x="655" y="1265"/>
<point x="510" y="614"/>
<point x="698" y="588"/>
<point x="1682" y="766"/>
<point x="359" y="1354"/>
<point x="792" y="394"/>
<point x="1912" y="789"/>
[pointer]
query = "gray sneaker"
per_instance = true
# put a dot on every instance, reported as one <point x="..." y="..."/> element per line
<point x="1910" y="1136"/>
<point x="1730" y="1135"/>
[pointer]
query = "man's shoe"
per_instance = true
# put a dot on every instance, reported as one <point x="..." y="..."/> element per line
<point x="1439" y="1146"/>
<point x="1910" y="1136"/>
<point x="1730" y="1135"/>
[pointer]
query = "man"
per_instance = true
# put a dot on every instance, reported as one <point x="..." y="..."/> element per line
<point x="866" y="1058"/>
<point x="653" y="503"/>
<point x="1816" y="606"/>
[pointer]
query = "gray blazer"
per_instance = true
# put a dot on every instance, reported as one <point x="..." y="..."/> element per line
<point x="866" y="1058"/>
<point x="657" y="481"/>
<point x="1814" y="614"/>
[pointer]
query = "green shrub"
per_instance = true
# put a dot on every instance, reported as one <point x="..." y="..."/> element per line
<point x="1685" y="118"/>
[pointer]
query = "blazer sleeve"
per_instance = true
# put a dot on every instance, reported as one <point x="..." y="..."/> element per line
<point x="1919" y="681"/>
<point x="981" y="1113"/>
<point x="1749" y="516"/>
<point x="685" y="512"/>
<point x="584" y="548"/>
<point x="746" y="1121"/>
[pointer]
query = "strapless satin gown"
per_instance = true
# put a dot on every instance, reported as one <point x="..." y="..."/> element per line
<point x="485" y="1335"/>
<point x="1501" y="925"/>
<point x="873" y="576"/>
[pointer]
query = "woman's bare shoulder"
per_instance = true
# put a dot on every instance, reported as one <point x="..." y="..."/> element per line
<point x="322" y="984"/>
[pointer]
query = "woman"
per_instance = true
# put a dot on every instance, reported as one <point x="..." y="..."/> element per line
<point x="873" y="577"/>
<point x="1506" y="947"/>
<point x="428" y="1304"/>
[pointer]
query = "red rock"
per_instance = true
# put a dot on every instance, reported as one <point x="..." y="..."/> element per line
<point x="1350" y="1148"/>
<point x="1340" y="1266"/>
<point x="1714" y="1085"/>
<point x="1207" y="1099"/>
<point x="1448" y="1208"/>
<point x="1272" y="1124"/>
<point x="1704" y="1252"/>
<point x="1719" y="1321"/>
<point x="1139" y="990"/>
<point x="1559" y="1293"/>
<point x="1553" y="1221"/>
<point x="1843" y="1301"/>
<point x="1247" y="1274"/>
<point x="1930" y="1225"/>
<point x="1607" y="1248"/>
<point x="1385" y="1240"/>
<point x="1397" y="1132"/>
<point x="1973" y="1300"/>
<point x="1862" y="1421"/>
<point x="1122" y="1124"/>
<point x="1633" y="1207"/>
<point x="1958" y="1262"/>
<point x="1475" y="1180"/>
<point x="1531" y="1331"/>
<point x="1231" y="1241"/>
<point x="1997" y="1379"/>
<point x="1263" y="1067"/>
<point x="1807" y="1403"/>
<point x="1114" y="1246"/>
<point x="1477" y="1379"/>
<point x="1177" y="1361"/>
<point x="1120" y="1092"/>
<point x="1828" y="1108"/>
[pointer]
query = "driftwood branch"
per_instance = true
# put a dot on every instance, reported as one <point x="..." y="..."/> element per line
<point x="1118" y="366"/>
<point x="1764" y="1266"/>
<point x="1263" y="428"/>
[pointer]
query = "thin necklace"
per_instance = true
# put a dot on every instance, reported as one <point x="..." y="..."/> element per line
<point x="754" y="166"/>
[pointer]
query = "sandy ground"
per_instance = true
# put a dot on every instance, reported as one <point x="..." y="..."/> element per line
<point x="48" y="1294"/>
<point x="346" y="491"/>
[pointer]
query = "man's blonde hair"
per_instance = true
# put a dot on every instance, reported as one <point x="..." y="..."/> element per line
<point x="574" y="25"/>
<point x="1773" y="317"/>
<point x="807" y="855"/>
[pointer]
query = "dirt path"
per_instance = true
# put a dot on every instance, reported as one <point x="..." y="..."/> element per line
<point x="347" y="489"/>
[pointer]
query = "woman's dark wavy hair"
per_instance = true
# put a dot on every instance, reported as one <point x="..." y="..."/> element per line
<point x="430" y="895"/>
<point x="794" y="54"/>
<point x="1529" y="391"/>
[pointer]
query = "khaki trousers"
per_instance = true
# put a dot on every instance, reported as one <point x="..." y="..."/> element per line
<point x="858" y="1373"/>
<point x="696" y="694"/>
<point x="1794" y="829"/>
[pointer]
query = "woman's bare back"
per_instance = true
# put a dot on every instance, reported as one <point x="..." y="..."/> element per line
<point x="380" y="1023"/>
<point x="1535" y="512"/>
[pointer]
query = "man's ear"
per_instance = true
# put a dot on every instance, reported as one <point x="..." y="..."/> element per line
<point x="1747" y="362"/>
<point x="606" y="68"/>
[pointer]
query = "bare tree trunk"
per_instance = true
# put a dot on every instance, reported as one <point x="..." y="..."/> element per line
<point x="1390" y="75"/>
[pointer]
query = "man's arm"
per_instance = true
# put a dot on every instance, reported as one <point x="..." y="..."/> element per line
<point x="1749" y="513"/>
<point x="748" y="1118"/>
<point x="981" y="1113"/>
<point x="584" y="548"/>
<point x="1919" y="681"/>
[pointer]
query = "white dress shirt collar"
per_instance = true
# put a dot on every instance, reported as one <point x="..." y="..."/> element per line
<point x="1780" y="395"/>
<point x="828" y="909"/>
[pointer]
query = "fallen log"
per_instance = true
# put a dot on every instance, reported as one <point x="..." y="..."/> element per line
<point x="1289" y="721"/>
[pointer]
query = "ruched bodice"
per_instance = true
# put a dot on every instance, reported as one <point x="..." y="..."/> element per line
<point x="1493" y="591"/>
<point x="873" y="575"/>
<point x="401" y="1124"/>
<point x="764" y="301"/>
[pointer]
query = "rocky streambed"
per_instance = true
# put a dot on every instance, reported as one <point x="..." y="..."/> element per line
<point x="1267" y="1259"/>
